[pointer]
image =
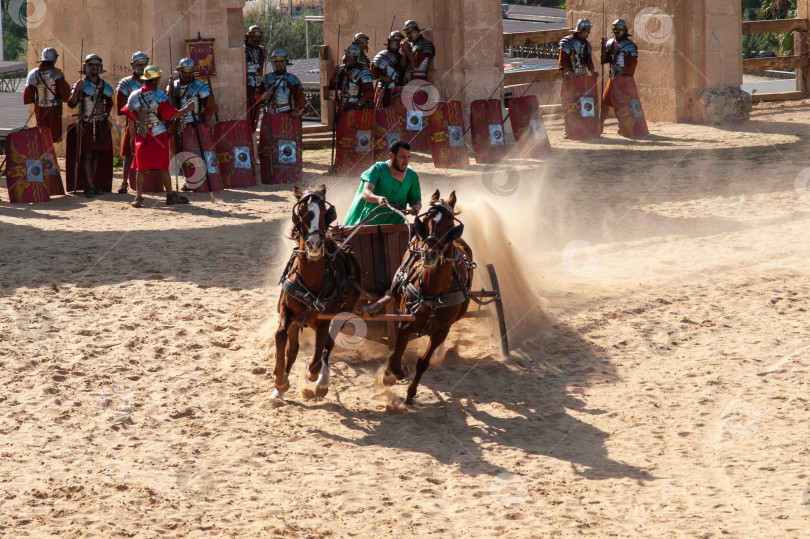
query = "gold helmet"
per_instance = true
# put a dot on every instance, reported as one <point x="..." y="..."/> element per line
<point x="151" y="73"/>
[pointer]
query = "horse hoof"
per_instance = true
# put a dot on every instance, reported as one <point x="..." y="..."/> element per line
<point x="314" y="371"/>
<point x="282" y="383"/>
<point x="389" y="379"/>
<point x="409" y="401"/>
<point x="321" y="391"/>
<point x="276" y="394"/>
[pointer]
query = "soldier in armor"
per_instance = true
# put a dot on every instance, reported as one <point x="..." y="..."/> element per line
<point x="126" y="86"/>
<point x="47" y="89"/>
<point x="418" y="51"/>
<point x="387" y="68"/>
<point x="575" y="51"/>
<point x="361" y="40"/>
<point x="94" y="97"/>
<point x="622" y="55"/>
<point x="352" y="82"/>
<point x="282" y="91"/>
<point x="189" y="88"/>
<point x="255" y="55"/>
<point x="149" y="108"/>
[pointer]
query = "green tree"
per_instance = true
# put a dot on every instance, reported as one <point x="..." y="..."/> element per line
<point x="15" y="36"/>
<point x="779" y="44"/>
<point x="282" y="31"/>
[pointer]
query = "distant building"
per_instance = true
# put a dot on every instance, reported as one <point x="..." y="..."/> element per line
<point x="284" y="5"/>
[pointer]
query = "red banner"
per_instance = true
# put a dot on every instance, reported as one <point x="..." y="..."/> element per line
<point x="202" y="52"/>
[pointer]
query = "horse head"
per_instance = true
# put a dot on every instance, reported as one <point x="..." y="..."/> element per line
<point x="436" y="229"/>
<point x="311" y="217"/>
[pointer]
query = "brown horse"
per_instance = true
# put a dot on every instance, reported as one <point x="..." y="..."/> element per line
<point x="319" y="278"/>
<point x="433" y="283"/>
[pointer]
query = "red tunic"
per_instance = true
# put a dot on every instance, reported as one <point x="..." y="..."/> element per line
<point x="152" y="153"/>
<point x="50" y="117"/>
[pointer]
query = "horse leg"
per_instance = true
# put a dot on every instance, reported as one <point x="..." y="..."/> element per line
<point x="395" y="370"/>
<point x="321" y="341"/>
<point x="421" y="366"/>
<point x="322" y="384"/>
<point x="281" y="381"/>
<point x="293" y="334"/>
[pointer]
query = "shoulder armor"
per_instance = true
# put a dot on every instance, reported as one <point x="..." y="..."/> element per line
<point x="365" y="75"/>
<point x="567" y="43"/>
<point x="200" y="88"/>
<point x="56" y="73"/>
<point x="292" y="79"/>
<point x="609" y="43"/>
<point x="629" y="47"/>
<point x="108" y="90"/>
<point x="32" y="77"/>
<point x="160" y="96"/>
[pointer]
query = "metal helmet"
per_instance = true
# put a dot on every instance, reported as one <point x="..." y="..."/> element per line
<point x="352" y="51"/>
<point x="255" y="31"/>
<point x="619" y="23"/>
<point x="140" y="57"/>
<point x="280" y="54"/>
<point x="93" y="59"/>
<point x="397" y="35"/>
<point x="151" y="73"/>
<point x="360" y="37"/>
<point x="582" y="24"/>
<point x="411" y="25"/>
<point x="186" y="65"/>
<point x="49" y="55"/>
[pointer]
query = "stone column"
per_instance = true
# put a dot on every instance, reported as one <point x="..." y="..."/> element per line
<point x="690" y="55"/>
<point x="468" y="35"/>
<point x="114" y="29"/>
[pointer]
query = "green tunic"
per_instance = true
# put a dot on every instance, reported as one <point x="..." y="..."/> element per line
<point x="403" y="193"/>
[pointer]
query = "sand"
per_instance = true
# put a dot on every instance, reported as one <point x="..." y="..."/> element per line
<point x="657" y="299"/>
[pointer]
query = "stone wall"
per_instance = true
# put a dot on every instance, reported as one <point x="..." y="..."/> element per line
<point x="468" y="35"/>
<point x="114" y="29"/>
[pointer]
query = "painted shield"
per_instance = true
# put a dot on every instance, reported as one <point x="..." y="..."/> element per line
<point x="528" y="127"/>
<point x="25" y="173"/>
<point x="415" y="124"/>
<point x="354" y="147"/>
<point x="195" y="178"/>
<point x="625" y="101"/>
<point x="281" y="148"/>
<point x="388" y="124"/>
<point x="447" y="145"/>
<point x="578" y="95"/>
<point x="53" y="177"/>
<point x="104" y="170"/>
<point x="234" y="153"/>
<point x="486" y="127"/>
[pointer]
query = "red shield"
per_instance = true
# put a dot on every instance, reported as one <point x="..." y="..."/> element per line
<point x="625" y="101"/>
<point x="104" y="170"/>
<point x="486" y="126"/>
<point x="387" y="130"/>
<point x="25" y="172"/>
<point x="447" y="145"/>
<point x="280" y="148"/>
<point x="354" y="145"/>
<point x="53" y="177"/>
<point x="234" y="153"/>
<point x="415" y="118"/>
<point x="194" y="177"/>
<point x="528" y="127"/>
<point x="580" y="107"/>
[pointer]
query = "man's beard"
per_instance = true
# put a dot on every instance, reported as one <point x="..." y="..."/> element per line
<point x="395" y="164"/>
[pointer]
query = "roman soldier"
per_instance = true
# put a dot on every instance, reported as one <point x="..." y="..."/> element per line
<point x="94" y="97"/>
<point x="47" y="89"/>
<point x="126" y="86"/>
<point x="575" y="51"/>
<point x="188" y="88"/>
<point x="255" y="55"/>
<point x="361" y="40"/>
<point x="387" y="68"/>
<point x="419" y="52"/>
<point x="352" y="82"/>
<point x="622" y="55"/>
<point x="282" y="91"/>
<point x="149" y="108"/>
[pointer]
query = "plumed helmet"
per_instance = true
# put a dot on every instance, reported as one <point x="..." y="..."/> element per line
<point x="151" y="73"/>
<point x="411" y="25"/>
<point x="397" y="35"/>
<point x="140" y="57"/>
<point x="280" y="54"/>
<point x="352" y="51"/>
<point x="49" y="55"/>
<point x="619" y="23"/>
<point x="582" y="24"/>
<point x="360" y="36"/>
<point x="255" y="31"/>
<point x="186" y="65"/>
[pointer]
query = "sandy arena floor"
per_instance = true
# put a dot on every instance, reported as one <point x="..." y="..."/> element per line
<point x="657" y="295"/>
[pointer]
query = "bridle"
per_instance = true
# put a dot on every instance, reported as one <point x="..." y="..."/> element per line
<point x="299" y="225"/>
<point x="447" y="238"/>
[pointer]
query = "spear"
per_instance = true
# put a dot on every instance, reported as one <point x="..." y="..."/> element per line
<point x="78" y="133"/>
<point x="336" y="118"/>
<point x="540" y="72"/>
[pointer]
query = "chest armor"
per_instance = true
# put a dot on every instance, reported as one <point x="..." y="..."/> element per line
<point x="195" y="91"/>
<point x="423" y="51"/>
<point x="145" y="105"/>
<point x="280" y="92"/>
<point x="579" y="52"/>
<point x="93" y="99"/>
<point x="619" y="52"/>
<point x="351" y="81"/>
<point x="388" y="63"/>
<point x="45" y="84"/>
<point x="364" y="61"/>
<point x="254" y="65"/>
<point x="128" y="85"/>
